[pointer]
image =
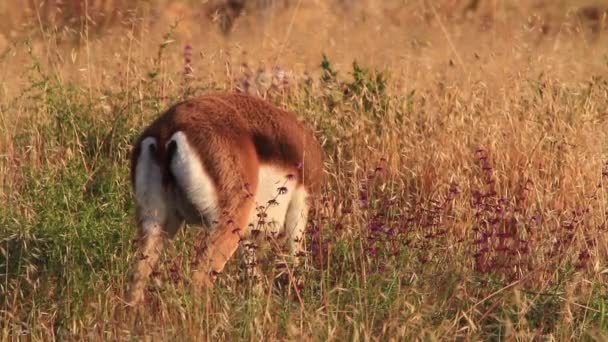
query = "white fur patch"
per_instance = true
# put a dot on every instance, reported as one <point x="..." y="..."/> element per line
<point x="272" y="198"/>
<point x="196" y="184"/>
<point x="296" y="219"/>
<point x="149" y="194"/>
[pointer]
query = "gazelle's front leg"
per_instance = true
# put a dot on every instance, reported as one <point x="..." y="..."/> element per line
<point x="295" y="223"/>
<point x="295" y="226"/>
<point x="249" y="259"/>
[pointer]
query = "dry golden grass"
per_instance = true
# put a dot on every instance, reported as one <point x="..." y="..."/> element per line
<point x="467" y="175"/>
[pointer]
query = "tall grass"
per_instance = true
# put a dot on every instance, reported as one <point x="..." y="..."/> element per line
<point x="465" y="195"/>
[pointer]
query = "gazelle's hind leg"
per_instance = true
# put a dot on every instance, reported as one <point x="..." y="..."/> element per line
<point x="156" y="217"/>
<point x="150" y="245"/>
<point x="236" y="204"/>
<point x="221" y="245"/>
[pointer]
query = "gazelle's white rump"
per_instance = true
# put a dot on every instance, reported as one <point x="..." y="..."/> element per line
<point x="149" y="193"/>
<point x="192" y="179"/>
<point x="274" y="193"/>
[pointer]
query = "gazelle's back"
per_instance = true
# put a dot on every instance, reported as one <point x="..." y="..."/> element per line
<point x="231" y="162"/>
<point x="280" y="138"/>
<point x="225" y="121"/>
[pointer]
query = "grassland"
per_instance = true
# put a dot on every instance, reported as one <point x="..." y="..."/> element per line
<point x="466" y="192"/>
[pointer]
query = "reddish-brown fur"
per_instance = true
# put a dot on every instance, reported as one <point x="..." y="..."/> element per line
<point x="232" y="134"/>
<point x="218" y="125"/>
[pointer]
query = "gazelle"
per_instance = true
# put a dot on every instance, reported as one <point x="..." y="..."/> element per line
<point x="212" y="161"/>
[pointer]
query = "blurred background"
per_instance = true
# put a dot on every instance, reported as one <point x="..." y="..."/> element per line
<point x="302" y="27"/>
<point x="69" y="17"/>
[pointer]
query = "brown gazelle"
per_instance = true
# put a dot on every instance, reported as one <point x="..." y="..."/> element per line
<point x="214" y="161"/>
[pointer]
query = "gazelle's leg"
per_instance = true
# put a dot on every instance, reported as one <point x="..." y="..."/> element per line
<point x="156" y="219"/>
<point x="296" y="218"/>
<point x="221" y="245"/>
<point x="236" y="203"/>
<point x="295" y="222"/>
<point x="151" y="241"/>
<point x="248" y="251"/>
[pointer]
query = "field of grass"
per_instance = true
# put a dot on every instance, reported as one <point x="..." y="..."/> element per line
<point x="466" y="189"/>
